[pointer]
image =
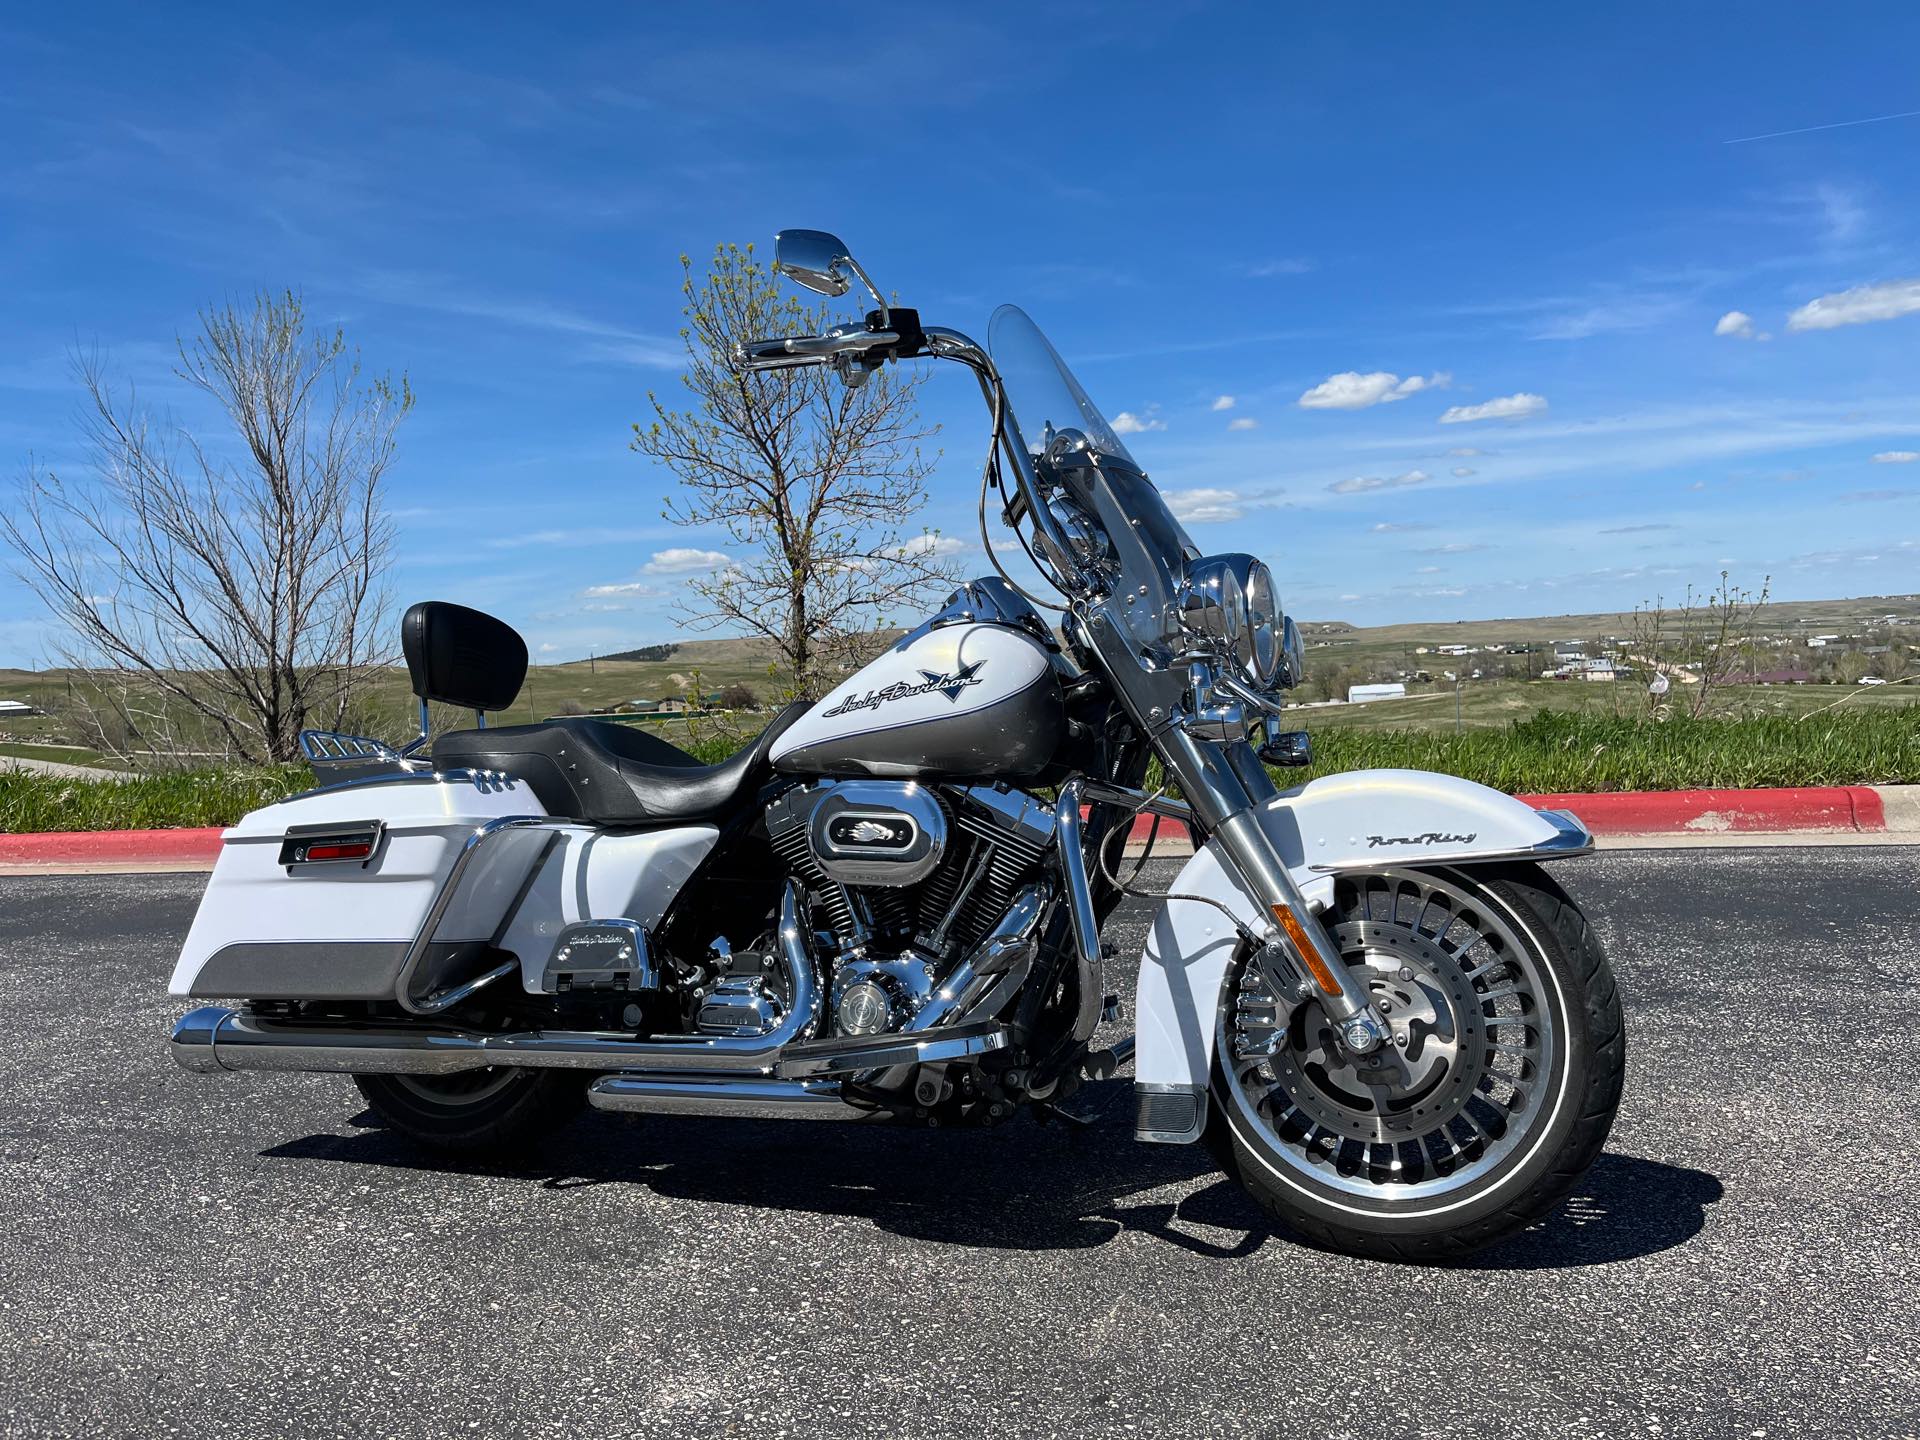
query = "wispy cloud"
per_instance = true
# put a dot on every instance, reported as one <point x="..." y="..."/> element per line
<point x="1223" y="402"/>
<point x="1888" y="300"/>
<point x="623" y="587"/>
<point x="1350" y="390"/>
<point x="1875" y="497"/>
<point x="1634" y="529"/>
<point x="602" y="340"/>
<point x="1244" y="422"/>
<point x="1896" y="457"/>
<point x="1507" y="407"/>
<point x="1458" y="547"/>
<point x="1209" y="505"/>
<point x="1269" y="269"/>
<point x="1397" y="527"/>
<point x="1737" y="325"/>
<point x="1365" y="484"/>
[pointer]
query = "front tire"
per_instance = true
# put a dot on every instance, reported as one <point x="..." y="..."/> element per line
<point x="1495" y="1098"/>
<point x="500" y="1113"/>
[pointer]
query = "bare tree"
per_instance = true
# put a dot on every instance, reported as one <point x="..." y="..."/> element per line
<point x="817" y="480"/>
<point x="1705" y="645"/>
<point x="218" y="598"/>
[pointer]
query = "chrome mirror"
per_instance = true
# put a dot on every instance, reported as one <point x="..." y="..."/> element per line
<point x="821" y="263"/>
<point x="813" y="259"/>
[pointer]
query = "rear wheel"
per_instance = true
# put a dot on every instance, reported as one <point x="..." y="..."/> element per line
<point x="502" y="1111"/>
<point x="1494" y="1096"/>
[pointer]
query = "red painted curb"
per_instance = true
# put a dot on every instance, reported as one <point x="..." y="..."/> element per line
<point x="110" y="847"/>
<point x="1652" y="812"/>
<point x="1685" y="812"/>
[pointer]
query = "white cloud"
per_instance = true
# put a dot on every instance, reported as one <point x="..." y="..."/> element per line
<point x="1459" y="547"/>
<point x="1888" y="300"/>
<point x="1204" y="507"/>
<point x="1461" y="472"/>
<point x="1736" y="323"/>
<point x="1245" y="422"/>
<point x="1224" y="402"/>
<point x="1896" y="457"/>
<point x="1463" y="452"/>
<point x="680" y="560"/>
<point x="1361" y="484"/>
<point x="629" y="587"/>
<point x="927" y="544"/>
<point x="1128" y="423"/>
<point x="1392" y="527"/>
<point x="1507" y="407"/>
<point x="1350" y="390"/>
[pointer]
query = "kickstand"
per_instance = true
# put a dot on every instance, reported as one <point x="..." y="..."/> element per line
<point x="1045" y="1110"/>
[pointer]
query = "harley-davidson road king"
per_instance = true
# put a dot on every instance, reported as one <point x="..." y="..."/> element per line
<point x="1363" y="992"/>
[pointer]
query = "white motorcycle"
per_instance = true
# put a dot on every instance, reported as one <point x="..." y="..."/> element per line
<point x="1392" y="1027"/>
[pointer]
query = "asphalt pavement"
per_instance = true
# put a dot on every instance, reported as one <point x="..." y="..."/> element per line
<point x="249" y="1255"/>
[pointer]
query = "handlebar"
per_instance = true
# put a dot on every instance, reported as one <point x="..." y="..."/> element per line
<point x="785" y="351"/>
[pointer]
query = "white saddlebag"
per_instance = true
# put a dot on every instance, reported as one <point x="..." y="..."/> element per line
<point x="301" y="907"/>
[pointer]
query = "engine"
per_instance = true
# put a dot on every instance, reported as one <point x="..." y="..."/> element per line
<point x="908" y="877"/>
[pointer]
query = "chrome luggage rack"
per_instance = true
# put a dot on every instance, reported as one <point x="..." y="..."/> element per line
<point x="335" y="755"/>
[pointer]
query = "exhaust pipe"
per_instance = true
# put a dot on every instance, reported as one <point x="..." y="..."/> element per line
<point x="739" y="1097"/>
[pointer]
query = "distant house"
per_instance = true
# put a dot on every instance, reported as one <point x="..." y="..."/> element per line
<point x="14" y="708"/>
<point x="1597" y="669"/>
<point x="1359" y="694"/>
<point x="673" y="705"/>
<point x="1774" y="677"/>
<point x="643" y="707"/>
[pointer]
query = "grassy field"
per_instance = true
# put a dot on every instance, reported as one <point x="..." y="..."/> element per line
<point x="1547" y="752"/>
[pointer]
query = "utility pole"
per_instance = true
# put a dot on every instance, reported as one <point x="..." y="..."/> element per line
<point x="1456" y="700"/>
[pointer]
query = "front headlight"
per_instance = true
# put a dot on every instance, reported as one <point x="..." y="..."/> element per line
<point x="1228" y="601"/>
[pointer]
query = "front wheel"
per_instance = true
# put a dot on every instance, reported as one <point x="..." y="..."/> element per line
<point x="500" y="1112"/>
<point x="1494" y="1096"/>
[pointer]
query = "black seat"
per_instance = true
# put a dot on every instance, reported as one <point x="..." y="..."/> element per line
<point x="612" y="774"/>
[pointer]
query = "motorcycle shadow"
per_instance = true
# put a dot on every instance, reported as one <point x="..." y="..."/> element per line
<point x="1023" y="1186"/>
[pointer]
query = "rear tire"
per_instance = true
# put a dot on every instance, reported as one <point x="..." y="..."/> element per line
<point x="1544" y="1103"/>
<point x="497" y="1113"/>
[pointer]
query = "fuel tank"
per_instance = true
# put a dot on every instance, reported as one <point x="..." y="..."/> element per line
<point x="960" y="700"/>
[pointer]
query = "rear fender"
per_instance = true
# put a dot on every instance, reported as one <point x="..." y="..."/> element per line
<point x="1362" y="820"/>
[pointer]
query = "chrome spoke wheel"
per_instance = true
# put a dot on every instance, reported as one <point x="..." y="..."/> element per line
<point x="1467" y="1080"/>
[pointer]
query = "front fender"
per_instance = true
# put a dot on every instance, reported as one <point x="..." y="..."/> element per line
<point x="1362" y="820"/>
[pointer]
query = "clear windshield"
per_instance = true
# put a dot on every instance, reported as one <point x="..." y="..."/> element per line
<point x="1044" y="395"/>
<point x="1046" y="399"/>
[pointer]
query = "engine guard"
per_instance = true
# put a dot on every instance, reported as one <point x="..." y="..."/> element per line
<point x="1362" y="820"/>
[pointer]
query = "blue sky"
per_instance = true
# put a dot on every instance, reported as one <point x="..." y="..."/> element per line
<point x="1366" y="229"/>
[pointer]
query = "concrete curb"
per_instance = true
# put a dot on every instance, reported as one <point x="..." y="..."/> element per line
<point x="1835" y="812"/>
<point x="1857" y="808"/>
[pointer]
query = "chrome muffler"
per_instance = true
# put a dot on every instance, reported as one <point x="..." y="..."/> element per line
<point x="738" y="1097"/>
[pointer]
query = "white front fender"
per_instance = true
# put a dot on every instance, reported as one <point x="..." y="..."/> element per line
<point x="1362" y="820"/>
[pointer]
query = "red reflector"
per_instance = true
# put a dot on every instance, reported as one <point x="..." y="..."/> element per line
<point x="356" y="850"/>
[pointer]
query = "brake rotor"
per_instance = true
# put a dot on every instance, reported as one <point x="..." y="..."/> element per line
<point x="1429" y="1068"/>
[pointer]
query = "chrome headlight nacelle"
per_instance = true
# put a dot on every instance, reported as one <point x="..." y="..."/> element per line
<point x="1228" y="603"/>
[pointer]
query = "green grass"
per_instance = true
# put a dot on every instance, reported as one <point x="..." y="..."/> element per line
<point x="31" y="802"/>
<point x="1544" y="753"/>
<point x="1567" y="751"/>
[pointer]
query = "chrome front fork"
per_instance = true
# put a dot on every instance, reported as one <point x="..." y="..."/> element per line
<point x="1228" y="787"/>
